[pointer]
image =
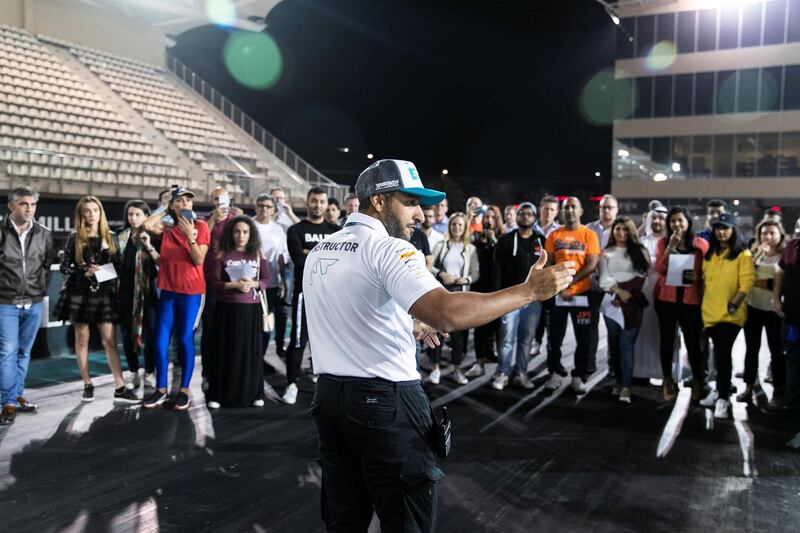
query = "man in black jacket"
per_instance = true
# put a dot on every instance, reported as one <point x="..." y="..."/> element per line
<point x="301" y="239"/>
<point x="26" y="253"/>
<point x="516" y="252"/>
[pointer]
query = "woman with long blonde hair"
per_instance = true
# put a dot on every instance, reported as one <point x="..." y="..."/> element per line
<point x="85" y="299"/>
<point x="455" y="264"/>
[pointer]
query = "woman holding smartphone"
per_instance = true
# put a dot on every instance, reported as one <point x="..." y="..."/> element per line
<point x="184" y="244"/>
<point x="680" y="304"/>
<point x="89" y="295"/>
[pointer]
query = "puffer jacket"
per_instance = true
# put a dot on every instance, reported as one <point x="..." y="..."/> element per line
<point x="18" y="287"/>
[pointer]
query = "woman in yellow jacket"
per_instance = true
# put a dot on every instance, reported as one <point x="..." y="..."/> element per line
<point x="728" y="276"/>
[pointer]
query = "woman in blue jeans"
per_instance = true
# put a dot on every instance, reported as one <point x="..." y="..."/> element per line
<point x="623" y="267"/>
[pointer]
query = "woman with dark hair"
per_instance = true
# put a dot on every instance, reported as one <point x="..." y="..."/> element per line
<point x="486" y="336"/>
<point x="184" y="244"/>
<point x="728" y="276"/>
<point x="623" y="267"/>
<point x="137" y="293"/>
<point x="236" y="373"/>
<point x="89" y="295"/>
<point x="679" y="304"/>
<point x="770" y="241"/>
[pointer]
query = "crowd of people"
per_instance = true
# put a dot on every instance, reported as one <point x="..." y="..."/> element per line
<point x="168" y="271"/>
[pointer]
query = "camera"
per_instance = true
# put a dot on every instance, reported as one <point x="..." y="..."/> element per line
<point x="486" y="225"/>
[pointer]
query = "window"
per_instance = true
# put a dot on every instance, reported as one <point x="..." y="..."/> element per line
<point x="793" y="22"/>
<point x="662" y="99"/>
<point x="729" y="27"/>
<point x="665" y="27"/>
<point x="624" y="43"/>
<point x="723" y="156"/>
<point x="684" y="87"/>
<point x="686" y="24"/>
<point x="767" y="162"/>
<point x="745" y="155"/>
<point x="775" y="22"/>
<point x="661" y="152"/>
<point x="704" y="93"/>
<point x="791" y="87"/>
<point x="726" y="92"/>
<point x="770" y="84"/>
<point x="645" y="34"/>
<point x="642" y="144"/>
<point x="747" y="92"/>
<point x="700" y="158"/>
<point x="751" y="24"/>
<point x="680" y="152"/>
<point x="644" y="93"/>
<point x="707" y="30"/>
<point x="789" y="159"/>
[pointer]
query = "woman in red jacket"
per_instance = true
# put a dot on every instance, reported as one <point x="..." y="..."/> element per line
<point x="680" y="304"/>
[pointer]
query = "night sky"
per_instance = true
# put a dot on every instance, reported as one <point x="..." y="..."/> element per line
<point x="489" y="91"/>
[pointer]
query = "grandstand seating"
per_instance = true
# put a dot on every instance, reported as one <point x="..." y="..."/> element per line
<point x="53" y="126"/>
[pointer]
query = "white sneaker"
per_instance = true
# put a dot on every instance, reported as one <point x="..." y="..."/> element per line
<point x="625" y="395"/>
<point x="475" y="371"/>
<point x="577" y="386"/>
<point x="150" y="380"/>
<point x="536" y="348"/>
<point x="258" y="403"/>
<point x="522" y="380"/>
<point x="290" y="396"/>
<point x="500" y="382"/>
<point x="553" y="382"/>
<point x="213" y="405"/>
<point x="133" y="381"/>
<point x="722" y="410"/>
<point x="460" y="378"/>
<point x="710" y="400"/>
<point x="435" y="376"/>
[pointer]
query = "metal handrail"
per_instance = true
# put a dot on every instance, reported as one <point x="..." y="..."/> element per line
<point x="249" y="126"/>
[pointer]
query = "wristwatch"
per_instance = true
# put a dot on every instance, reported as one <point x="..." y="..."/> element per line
<point x="192" y="243"/>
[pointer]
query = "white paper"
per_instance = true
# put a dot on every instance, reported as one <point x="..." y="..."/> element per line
<point x="611" y="311"/>
<point x="576" y="301"/>
<point x="677" y="264"/>
<point x="241" y="271"/>
<point x="105" y="273"/>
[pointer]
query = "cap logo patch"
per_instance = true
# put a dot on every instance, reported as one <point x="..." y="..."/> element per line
<point x="387" y="184"/>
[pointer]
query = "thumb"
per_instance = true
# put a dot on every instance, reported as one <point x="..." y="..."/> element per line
<point x="540" y="264"/>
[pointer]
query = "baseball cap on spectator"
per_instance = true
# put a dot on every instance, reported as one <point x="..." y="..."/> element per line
<point x="395" y="175"/>
<point x="177" y="192"/>
<point x="526" y="205"/>
<point x="725" y="219"/>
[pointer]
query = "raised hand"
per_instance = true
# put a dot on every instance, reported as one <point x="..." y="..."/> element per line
<point x="547" y="282"/>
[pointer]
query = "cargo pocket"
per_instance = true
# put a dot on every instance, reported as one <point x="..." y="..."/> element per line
<point x="420" y="497"/>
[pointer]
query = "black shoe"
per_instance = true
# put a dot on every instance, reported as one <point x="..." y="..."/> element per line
<point x="560" y="371"/>
<point x="25" y="406"/>
<point x="123" y="395"/>
<point x="155" y="399"/>
<point x="181" y="402"/>
<point x="88" y="393"/>
<point x="8" y="415"/>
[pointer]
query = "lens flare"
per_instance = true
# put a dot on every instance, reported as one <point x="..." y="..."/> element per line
<point x="253" y="59"/>
<point x="605" y="98"/>
<point x="221" y="12"/>
<point x="661" y="56"/>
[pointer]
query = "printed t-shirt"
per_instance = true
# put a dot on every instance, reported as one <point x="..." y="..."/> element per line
<point x="565" y="245"/>
<point x="177" y="272"/>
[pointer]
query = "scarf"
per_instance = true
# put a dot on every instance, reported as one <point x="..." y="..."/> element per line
<point x="141" y="287"/>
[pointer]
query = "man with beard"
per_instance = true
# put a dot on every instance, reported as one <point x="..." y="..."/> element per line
<point x="300" y="239"/>
<point x="429" y="218"/>
<point x="514" y="255"/>
<point x="375" y="423"/>
<point x="578" y="244"/>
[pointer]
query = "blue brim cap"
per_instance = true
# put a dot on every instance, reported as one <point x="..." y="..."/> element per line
<point x="395" y="175"/>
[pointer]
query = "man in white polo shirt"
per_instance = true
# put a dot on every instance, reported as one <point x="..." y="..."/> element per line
<point x="374" y="420"/>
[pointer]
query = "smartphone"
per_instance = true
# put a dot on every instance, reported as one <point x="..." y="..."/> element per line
<point x="224" y="200"/>
<point x="188" y="214"/>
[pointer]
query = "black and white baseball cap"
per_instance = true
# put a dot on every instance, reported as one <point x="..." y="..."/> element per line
<point x="391" y="175"/>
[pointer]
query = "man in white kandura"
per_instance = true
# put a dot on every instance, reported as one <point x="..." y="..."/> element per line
<point x="376" y="432"/>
